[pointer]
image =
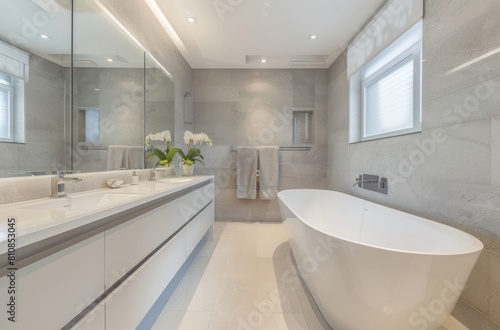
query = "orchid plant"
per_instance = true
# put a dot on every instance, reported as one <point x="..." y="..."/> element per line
<point x="193" y="154"/>
<point x="164" y="157"/>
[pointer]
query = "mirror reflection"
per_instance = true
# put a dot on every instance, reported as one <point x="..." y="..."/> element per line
<point x="35" y="48"/>
<point x="108" y="94"/>
<point x="86" y="111"/>
<point x="160" y="108"/>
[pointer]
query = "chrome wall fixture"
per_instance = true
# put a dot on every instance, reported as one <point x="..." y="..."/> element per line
<point x="186" y="111"/>
<point x="373" y="183"/>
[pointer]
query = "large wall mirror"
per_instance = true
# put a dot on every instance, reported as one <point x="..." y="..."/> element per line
<point x="81" y="102"/>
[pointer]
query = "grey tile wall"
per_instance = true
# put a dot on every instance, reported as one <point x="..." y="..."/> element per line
<point x="253" y="107"/>
<point x="450" y="171"/>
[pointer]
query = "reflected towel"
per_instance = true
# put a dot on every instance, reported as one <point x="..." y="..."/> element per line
<point x="117" y="157"/>
<point x="246" y="172"/>
<point x="269" y="172"/>
<point x="135" y="157"/>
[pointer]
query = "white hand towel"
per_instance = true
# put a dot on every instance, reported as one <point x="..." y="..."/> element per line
<point x="246" y="172"/>
<point x="117" y="157"/>
<point x="135" y="157"/>
<point x="269" y="172"/>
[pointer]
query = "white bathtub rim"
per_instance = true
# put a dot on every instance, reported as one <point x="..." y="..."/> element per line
<point x="477" y="245"/>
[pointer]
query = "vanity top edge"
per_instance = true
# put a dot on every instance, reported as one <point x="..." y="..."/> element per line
<point x="53" y="222"/>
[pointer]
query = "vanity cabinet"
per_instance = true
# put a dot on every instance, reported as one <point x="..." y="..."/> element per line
<point x="120" y="271"/>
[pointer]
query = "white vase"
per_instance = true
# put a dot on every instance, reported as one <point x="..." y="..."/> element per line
<point x="165" y="171"/>
<point x="187" y="169"/>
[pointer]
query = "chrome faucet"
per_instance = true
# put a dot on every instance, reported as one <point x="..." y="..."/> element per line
<point x="359" y="181"/>
<point x="152" y="174"/>
<point x="57" y="184"/>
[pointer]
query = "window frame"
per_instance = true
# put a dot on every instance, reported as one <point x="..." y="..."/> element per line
<point x="415" y="51"/>
<point x="9" y="88"/>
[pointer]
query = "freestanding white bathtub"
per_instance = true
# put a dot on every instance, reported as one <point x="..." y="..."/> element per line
<point x="370" y="267"/>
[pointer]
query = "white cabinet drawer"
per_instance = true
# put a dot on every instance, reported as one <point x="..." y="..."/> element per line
<point x="53" y="290"/>
<point x="130" y="242"/>
<point x="129" y="303"/>
<point x="197" y="228"/>
<point x="94" y="320"/>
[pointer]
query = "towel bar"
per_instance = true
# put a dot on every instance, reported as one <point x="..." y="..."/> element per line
<point x="289" y="148"/>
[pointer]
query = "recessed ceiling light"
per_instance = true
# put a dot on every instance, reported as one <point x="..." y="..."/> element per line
<point x="313" y="36"/>
<point x="191" y="20"/>
<point x="110" y="60"/>
<point x="44" y="36"/>
<point x="263" y="60"/>
<point x="96" y="89"/>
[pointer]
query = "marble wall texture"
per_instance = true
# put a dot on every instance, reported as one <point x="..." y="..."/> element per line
<point x="450" y="171"/>
<point x="238" y="107"/>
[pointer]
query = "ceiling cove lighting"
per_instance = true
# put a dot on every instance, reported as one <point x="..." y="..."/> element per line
<point x="191" y="20"/>
<point x="131" y="36"/>
<point x="313" y="36"/>
<point x="166" y="25"/>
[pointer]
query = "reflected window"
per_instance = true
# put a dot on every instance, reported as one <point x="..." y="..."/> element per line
<point x="6" y="108"/>
<point x="14" y="70"/>
<point x="11" y="108"/>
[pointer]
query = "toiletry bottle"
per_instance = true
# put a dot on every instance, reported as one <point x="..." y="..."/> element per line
<point x="135" y="178"/>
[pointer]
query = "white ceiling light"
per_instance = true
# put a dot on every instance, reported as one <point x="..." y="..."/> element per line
<point x="44" y="36"/>
<point x="110" y="60"/>
<point x="313" y="36"/>
<point x="263" y="60"/>
<point x="191" y="20"/>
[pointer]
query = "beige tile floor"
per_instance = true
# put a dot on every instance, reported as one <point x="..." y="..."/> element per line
<point x="242" y="280"/>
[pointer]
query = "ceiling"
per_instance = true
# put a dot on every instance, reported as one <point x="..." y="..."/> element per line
<point x="23" y="21"/>
<point x="239" y="33"/>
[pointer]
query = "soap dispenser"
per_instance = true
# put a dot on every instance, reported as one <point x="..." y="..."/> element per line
<point x="135" y="178"/>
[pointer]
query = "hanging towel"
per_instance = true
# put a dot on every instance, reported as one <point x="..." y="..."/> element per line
<point x="117" y="157"/>
<point x="135" y="157"/>
<point x="269" y="172"/>
<point x="246" y="172"/>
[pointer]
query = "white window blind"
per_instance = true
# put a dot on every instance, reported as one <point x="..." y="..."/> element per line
<point x="388" y="100"/>
<point x="14" y="72"/>
<point x="5" y="114"/>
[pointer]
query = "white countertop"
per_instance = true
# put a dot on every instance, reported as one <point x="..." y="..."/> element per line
<point x="43" y="218"/>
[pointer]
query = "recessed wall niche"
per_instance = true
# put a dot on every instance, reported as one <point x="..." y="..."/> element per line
<point x="303" y="126"/>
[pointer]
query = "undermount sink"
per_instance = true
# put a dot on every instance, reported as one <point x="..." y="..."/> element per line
<point x="84" y="202"/>
<point x="179" y="179"/>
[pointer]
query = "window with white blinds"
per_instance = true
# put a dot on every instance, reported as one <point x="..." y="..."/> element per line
<point x="14" y="69"/>
<point x="6" y="109"/>
<point x="388" y="100"/>
<point x="386" y="91"/>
